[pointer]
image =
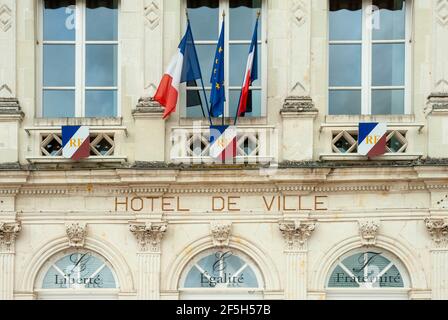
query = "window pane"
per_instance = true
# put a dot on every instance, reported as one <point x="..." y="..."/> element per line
<point x="388" y="64"/>
<point x="59" y="20"/>
<point x="238" y="63"/>
<point x="101" y="103"/>
<point x="206" y="55"/>
<point x="253" y="105"/>
<point x="194" y="100"/>
<point x="345" y="102"/>
<point x="204" y="18"/>
<point x="59" y="103"/>
<point x="102" y="19"/>
<point x="389" y="22"/>
<point x="59" y="65"/>
<point x="243" y="14"/>
<point x="388" y="102"/>
<point x="101" y="66"/>
<point x="345" y="20"/>
<point x="345" y="65"/>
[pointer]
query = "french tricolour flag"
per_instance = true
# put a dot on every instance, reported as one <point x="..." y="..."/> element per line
<point x="251" y="73"/>
<point x="183" y="67"/>
<point x="372" y="139"/>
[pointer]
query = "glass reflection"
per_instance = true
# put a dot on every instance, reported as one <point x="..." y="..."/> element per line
<point x="345" y="20"/>
<point x="345" y="102"/>
<point x="345" y="65"/>
<point x="101" y="103"/>
<point x="58" y="103"/>
<point x="387" y="102"/>
<point x="390" y="22"/>
<point x="194" y="100"/>
<point x="102" y="20"/>
<point x="59" y="65"/>
<point x="204" y="17"/>
<point x="253" y="104"/>
<point x="59" y="18"/>
<point x="243" y="14"/>
<point x="101" y="65"/>
<point x="388" y="64"/>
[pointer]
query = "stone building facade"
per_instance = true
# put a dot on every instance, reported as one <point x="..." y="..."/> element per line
<point x="299" y="215"/>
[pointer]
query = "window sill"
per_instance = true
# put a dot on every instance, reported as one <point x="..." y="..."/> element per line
<point x="94" y="159"/>
<point x="404" y="118"/>
<point x="228" y="121"/>
<point x="58" y="122"/>
<point x="357" y="157"/>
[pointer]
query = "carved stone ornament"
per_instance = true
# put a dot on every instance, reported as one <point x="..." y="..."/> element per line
<point x="10" y="106"/>
<point x="368" y="230"/>
<point x="298" y="104"/>
<point x="148" y="105"/>
<point x="296" y="233"/>
<point x="8" y="235"/>
<point x="438" y="229"/>
<point x="221" y="233"/>
<point x="76" y="233"/>
<point x="149" y="235"/>
<point x="437" y="102"/>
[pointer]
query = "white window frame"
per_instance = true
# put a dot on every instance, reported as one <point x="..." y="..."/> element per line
<point x="224" y="7"/>
<point x="366" y="61"/>
<point x="370" y="293"/>
<point x="80" y="60"/>
<point x="221" y="293"/>
<point x="74" y="293"/>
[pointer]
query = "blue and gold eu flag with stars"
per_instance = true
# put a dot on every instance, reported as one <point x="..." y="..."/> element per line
<point x="217" y="96"/>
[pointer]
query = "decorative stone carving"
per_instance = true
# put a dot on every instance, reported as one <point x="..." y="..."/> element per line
<point x="438" y="228"/>
<point x="298" y="104"/>
<point x="221" y="233"/>
<point x="149" y="235"/>
<point x="442" y="12"/>
<point x="299" y="12"/>
<point x="8" y="235"/>
<point x="5" y="18"/>
<point x="296" y="233"/>
<point x="149" y="106"/>
<point x="10" y="106"/>
<point x="76" y="233"/>
<point x="152" y="15"/>
<point x="437" y="102"/>
<point x="368" y="230"/>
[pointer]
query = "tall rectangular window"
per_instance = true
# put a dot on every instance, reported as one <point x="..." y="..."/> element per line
<point x="79" y="58"/>
<point x="367" y="57"/>
<point x="206" y="18"/>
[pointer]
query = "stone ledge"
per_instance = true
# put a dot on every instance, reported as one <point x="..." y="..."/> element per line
<point x="10" y="106"/>
<point x="437" y="103"/>
<point x="298" y="104"/>
<point x="147" y="106"/>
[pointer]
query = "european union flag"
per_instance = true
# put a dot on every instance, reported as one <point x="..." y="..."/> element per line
<point x="217" y="96"/>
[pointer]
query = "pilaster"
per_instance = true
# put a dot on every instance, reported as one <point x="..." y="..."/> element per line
<point x="8" y="235"/>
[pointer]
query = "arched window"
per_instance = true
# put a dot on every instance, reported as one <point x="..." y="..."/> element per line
<point x="76" y="273"/>
<point x="221" y="272"/>
<point x="368" y="272"/>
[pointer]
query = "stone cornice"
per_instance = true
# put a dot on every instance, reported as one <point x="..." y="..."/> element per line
<point x="10" y="109"/>
<point x="299" y="106"/>
<point x="147" y="107"/>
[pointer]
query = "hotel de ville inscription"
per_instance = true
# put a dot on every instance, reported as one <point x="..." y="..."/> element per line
<point x="221" y="203"/>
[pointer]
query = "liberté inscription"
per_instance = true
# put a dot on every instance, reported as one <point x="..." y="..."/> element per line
<point x="271" y="203"/>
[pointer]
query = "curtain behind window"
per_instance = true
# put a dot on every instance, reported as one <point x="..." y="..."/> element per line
<point x="355" y="5"/>
<point x="91" y="4"/>
<point x="193" y="4"/>
<point x="56" y="4"/>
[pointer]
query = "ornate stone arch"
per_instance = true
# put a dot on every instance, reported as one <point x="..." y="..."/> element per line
<point x="402" y="251"/>
<point x="106" y="250"/>
<point x="268" y="270"/>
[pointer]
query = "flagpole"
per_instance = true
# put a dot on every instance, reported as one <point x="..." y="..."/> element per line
<point x="202" y="81"/>
<point x="238" y="108"/>
<point x="223" y="115"/>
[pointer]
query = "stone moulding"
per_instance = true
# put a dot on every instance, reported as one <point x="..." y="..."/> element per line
<point x="147" y="105"/>
<point x="8" y="234"/>
<point x="149" y="235"/>
<point x="10" y="106"/>
<point x="368" y="230"/>
<point x="76" y="233"/>
<point x="438" y="229"/>
<point x="298" y="104"/>
<point x="296" y="233"/>
<point x="221" y="232"/>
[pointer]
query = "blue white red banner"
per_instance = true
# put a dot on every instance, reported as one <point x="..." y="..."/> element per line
<point x="75" y="142"/>
<point x="223" y="142"/>
<point x="372" y="139"/>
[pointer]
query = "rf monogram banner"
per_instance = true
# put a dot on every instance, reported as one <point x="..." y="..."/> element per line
<point x="75" y="142"/>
